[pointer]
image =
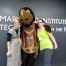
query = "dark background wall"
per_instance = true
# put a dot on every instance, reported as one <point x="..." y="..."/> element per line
<point x="42" y="9"/>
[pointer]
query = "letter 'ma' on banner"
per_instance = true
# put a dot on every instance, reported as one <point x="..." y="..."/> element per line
<point x="7" y="19"/>
<point x="5" y="22"/>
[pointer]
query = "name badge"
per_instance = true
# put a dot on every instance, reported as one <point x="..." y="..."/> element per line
<point x="40" y="38"/>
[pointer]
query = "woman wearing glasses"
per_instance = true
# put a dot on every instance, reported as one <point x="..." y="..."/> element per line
<point x="46" y="46"/>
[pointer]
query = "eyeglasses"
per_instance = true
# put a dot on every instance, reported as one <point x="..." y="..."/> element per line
<point x="39" y="22"/>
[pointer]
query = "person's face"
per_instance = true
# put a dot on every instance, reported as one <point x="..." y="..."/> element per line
<point x="40" y="23"/>
<point x="16" y="25"/>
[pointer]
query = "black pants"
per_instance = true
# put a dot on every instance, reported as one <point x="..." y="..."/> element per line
<point x="27" y="59"/>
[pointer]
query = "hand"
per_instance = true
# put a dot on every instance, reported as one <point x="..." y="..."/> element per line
<point x="8" y="53"/>
<point x="56" y="46"/>
<point x="36" y="54"/>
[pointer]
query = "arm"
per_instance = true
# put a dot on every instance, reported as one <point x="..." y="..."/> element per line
<point x="53" y="40"/>
<point x="8" y="48"/>
<point x="8" y="44"/>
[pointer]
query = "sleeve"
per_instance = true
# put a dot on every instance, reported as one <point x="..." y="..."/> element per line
<point x="10" y="31"/>
<point x="9" y="37"/>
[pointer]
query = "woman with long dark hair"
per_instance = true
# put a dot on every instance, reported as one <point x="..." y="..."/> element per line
<point x="46" y="46"/>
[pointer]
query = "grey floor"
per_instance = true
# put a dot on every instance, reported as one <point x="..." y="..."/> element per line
<point x="63" y="64"/>
<point x="41" y="63"/>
